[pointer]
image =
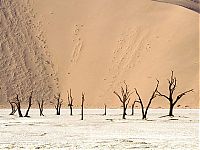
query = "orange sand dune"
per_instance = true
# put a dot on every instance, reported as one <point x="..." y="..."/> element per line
<point x="93" y="46"/>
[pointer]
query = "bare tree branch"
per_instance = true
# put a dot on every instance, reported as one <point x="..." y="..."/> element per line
<point x="70" y="101"/>
<point x="144" y="113"/>
<point x="160" y="94"/>
<point x="172" y="87"/>
<point x="18" y="104"/>
<point x="58" y="103"/>
<point x="29" y="104"/>
<point x="132" y="107"/>
<point x="118" y="96"/>
<point x="181" y="95"/>
<point x="124" y="98"/>
<point x="41" y="106"/>
<point x="12" y="104"/>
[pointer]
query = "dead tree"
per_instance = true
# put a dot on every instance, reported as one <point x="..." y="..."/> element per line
<point x="58" y="103"/>
<point x="124" y="98"/>
<point x="14" y="109"/>
<point x="29" y="105"/>
<point x="18" y="104"/>
<point x="172" y="86"/>
<point x="133" y="105"/>
<point x="144" y="111"/>
<point x="105" y="109"/>
<point x="82" y="104"/>
<point x="41" y="106"/>
<point x="70" y="101"/>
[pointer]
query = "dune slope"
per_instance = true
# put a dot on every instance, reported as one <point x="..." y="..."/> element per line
<point x="93" y="46"/>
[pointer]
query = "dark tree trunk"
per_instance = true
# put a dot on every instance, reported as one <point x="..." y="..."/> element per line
<point x="18" y="106"/>
<point x="58" y="104"/>
<point x="19" y="110"/>
<point x="26" y="115"/>
<point x="13" y="108"/>
<point x="82" y="103"/>
<point x="133" y="105"/>
<point x="142" y="108"/>
<point x="105" y="110"/>
<point x="58" y="109"/>
<point x="82" y="112"/>
<point x="71" y="110"/>
<point x="132" y="108"/>
<point x="40" y="105"/>
<point x="144" y="116"/>
<point x="41" y="113"/>
<point x="29" y="105"/>
<point x="70" y="101"/>
<point x="124" y="116"/>
<point x="124" y="112"/>
<point x="171" y="110"/>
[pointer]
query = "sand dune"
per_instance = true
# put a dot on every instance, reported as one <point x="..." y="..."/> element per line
<point x="50" y="46"/>
<point x="190" y="4"/>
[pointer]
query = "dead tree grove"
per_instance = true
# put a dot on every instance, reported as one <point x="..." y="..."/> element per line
<point x="144" y="111"/>
<point x="172" y="101"/>
<point x="70" y="100"/>
<point x="124" y="98"/>
<point x="82" y="105"/>
<point x="29" y="105"/>
<point x="58" y="103"/>
<point x="41" y="106"/>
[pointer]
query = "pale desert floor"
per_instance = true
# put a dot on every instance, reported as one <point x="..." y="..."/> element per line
<point x="100" y="132"/>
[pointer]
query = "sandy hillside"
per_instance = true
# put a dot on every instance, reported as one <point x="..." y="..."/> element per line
<point x="50" y="46"/>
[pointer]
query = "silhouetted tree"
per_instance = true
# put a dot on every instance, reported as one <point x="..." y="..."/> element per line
<point x="82" y="104"/>
<point x="70" y="101"/>
<point x="105" y="109"/>
<point x="41" y="106"/>
<point x="144" y="112"/>
<point x="124" y="98"/>
<point x="18" y="104"/>
<point x="29" y="105"/>
<point x="58" y="103"/>
<point x="12" y="104"/>
<point x="172" y="86"/>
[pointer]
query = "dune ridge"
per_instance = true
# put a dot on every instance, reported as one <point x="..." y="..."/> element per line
<point x="190" y="4"/>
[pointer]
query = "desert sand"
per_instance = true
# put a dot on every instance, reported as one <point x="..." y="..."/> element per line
<point x="100" y="132"/>
<point x="49" y="46"/>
